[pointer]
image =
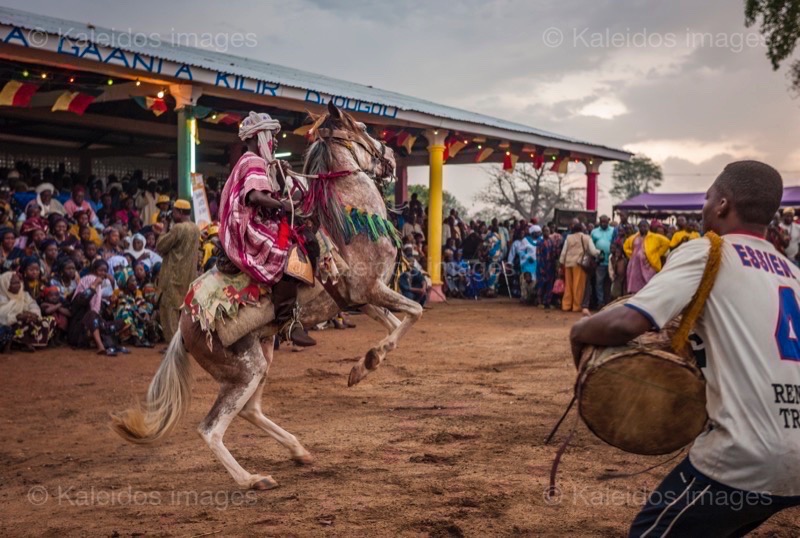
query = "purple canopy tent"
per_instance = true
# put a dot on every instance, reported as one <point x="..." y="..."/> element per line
<point x="655" y="204"/>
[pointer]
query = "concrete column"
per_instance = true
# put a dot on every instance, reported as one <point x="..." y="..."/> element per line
<point x="436" y="138"/>
<point x="401" y="185"/>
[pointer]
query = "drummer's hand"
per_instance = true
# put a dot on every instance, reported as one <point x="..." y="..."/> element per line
<point x="577" y="351"/>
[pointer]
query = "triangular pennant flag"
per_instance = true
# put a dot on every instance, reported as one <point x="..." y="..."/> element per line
<point x="483" y="154"/>
<point x="538" y="160"/>
<point x="560" y="165"/>
<point x="446" y="155"/>
<point x="153" y="104"/>
<point x="16" y="93"/>
<point x="510" y="161"/>
<point x="455" y="147"/>
<point x="406" y="140"/>
<point x="75" y="102"/>
<point x="225" y="118"/>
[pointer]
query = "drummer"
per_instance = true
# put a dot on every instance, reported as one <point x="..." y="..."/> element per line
<point x="746" y="466"/>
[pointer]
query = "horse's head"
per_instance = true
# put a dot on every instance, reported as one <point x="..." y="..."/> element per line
<point x="343" y="144"/>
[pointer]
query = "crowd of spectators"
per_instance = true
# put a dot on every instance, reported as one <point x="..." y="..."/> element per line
<point x="80" y="257"/>
<point x="579" y="268"/>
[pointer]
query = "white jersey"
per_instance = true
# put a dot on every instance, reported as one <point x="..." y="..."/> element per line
<point x="747" y="343"/>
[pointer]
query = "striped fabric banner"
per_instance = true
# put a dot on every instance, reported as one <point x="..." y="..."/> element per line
<point x="16" y="93"/>
<point x="75" y="102"/>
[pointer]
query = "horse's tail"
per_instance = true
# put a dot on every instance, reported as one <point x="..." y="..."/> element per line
<point x="167" y="399"/>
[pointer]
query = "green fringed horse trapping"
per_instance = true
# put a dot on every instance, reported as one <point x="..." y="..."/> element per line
<point x="372" y="225"/>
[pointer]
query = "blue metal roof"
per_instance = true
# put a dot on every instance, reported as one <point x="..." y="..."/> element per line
<point x="272" y="73"/>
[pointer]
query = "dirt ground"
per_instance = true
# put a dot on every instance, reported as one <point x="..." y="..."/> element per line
<point x="445" y="439"/>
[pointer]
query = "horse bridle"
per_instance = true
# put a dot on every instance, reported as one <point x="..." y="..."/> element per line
<point x="379" y="158"/>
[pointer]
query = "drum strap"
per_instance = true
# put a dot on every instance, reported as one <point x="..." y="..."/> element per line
<point x="698" y="302"/>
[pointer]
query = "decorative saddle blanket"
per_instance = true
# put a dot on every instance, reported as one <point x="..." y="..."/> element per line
<point x="215" y="295"/>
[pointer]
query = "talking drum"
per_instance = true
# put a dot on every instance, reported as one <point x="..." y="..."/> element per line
<point x="642" y="397"/>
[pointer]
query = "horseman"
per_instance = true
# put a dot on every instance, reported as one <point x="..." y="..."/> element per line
<point x="255" y="231"/>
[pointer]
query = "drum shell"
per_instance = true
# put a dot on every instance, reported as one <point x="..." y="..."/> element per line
<point x="642" y="397"/>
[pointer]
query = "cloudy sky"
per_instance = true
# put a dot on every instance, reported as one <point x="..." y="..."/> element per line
<point x="681" y="81"/>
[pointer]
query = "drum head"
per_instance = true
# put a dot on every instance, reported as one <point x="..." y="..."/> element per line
<point x="644" y="403"/>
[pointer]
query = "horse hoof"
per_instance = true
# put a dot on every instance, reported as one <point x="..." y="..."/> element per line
<point x="356" y="374"/>
<point x="264" y="484"/>
<point x="304" y="459"/>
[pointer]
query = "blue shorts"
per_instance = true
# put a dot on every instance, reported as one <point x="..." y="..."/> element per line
<point x="688" y="503"/>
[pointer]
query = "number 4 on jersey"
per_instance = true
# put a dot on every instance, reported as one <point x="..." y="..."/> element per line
<point x="786" y="334"/>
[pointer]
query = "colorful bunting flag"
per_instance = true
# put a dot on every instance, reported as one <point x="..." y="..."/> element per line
<point x="75" y="102"/>
<point x="560" y="165"/>
<point x="455" y="146"/>
<point x="225" y="118"/>
<point x="405" y="140"/>
<point x="538" y="160"/>
<point x="510" y="161"/>
<point x="153" y="104"/>
<point x="483" y="154"/>
<point x="16" y="93"/>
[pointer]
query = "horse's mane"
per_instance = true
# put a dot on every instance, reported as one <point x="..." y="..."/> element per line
<point x="322" y="200"/>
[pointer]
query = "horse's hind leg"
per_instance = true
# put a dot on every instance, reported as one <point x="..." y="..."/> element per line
<point x="253" y="414"/>
<point x="382" y="315"/>
<point x="385" y="297"/>
<point x="232" y="398"/>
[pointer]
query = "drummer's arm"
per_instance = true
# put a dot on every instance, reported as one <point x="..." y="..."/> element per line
<point x="613" y="327"/>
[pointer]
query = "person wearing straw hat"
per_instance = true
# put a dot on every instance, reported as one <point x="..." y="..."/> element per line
<point x="178" y="247"/>
<point x="745" y="466"/>
<point x="254" y="229"/>
<point x="162" y="210"/>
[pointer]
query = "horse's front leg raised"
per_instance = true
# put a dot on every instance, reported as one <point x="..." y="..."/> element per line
<point x="384" y="297"/>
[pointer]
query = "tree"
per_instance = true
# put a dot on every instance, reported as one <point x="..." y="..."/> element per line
<point x="780" y="26"/>
<point x="635" y="177"/>
<point x="449" y="201"/>
<point x="529" y="192"/>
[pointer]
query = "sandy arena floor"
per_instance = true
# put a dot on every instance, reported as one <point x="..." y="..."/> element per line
<point x="445" y="439"/>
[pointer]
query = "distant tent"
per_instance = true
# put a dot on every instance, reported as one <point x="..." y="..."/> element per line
<point x="655" y="204"/>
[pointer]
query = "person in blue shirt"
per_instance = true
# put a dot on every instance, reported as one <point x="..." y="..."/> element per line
<point x="602" y="236"/>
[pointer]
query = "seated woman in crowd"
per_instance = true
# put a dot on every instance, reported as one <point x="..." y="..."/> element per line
<point x="49" y="249"/>
<point x="81" y="222"/>
<point x="134" y="310"/>
<point x="65" y="277"/>
<point x="31" y="274"/>
<point x="9" y="253"/>
<point x="140" y="253"/>
<point x="87" y="325"/>
<point x="60" y="232"/>
<point x="20" y="313"/>
<point x="56" y="305"/>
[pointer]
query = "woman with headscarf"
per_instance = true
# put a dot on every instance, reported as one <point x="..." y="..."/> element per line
<point x="644" y="250"/>
<point x="65" y="277"/>
<point x="9" y="253"/>
<point x="140" y="253"/>
<point x="49" y="250"/>
<point x="19" y="311"/>
<point x="30" y="271"/>
<point x="132" y="309"/>
<point x="111" y="246"/>
<point x="87" y="324"/>
<point x="46" y="202"/>
<point x="127" y="212"/>
<point x="32" y="216"/>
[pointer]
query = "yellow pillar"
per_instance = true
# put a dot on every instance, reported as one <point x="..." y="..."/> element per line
<point x="436" y="140"/>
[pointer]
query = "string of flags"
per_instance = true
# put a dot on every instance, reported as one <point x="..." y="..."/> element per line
<point x="77" y="99"/>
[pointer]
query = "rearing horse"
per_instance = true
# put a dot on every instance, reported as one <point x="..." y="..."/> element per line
<point x="349" y="162"/>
